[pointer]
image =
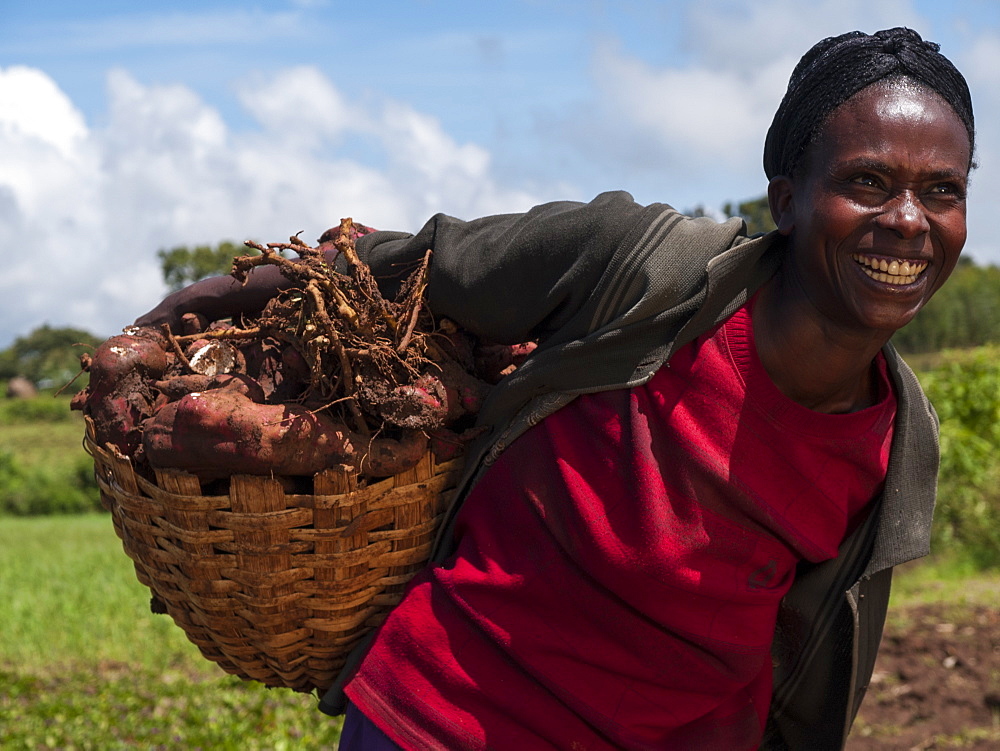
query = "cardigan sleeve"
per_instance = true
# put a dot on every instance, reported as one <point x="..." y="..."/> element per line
<point x="510" y="277"/>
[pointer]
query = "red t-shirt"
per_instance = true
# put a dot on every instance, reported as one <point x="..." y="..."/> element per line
<point x="619" y="568"/>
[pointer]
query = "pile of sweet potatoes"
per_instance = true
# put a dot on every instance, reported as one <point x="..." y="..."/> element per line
<point x="329" y="373"/>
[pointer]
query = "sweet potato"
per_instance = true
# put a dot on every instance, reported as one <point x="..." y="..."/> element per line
<point x="213" y="358"/>
<point x="465" y="392"/>
<point x="118" y="397"/>
<point x="494" y="361"/>
<point x="262" y="358"/>
<point x="300" y="384"/>
<point x="220" y="432"/>
<point x="456" y="343"/>
<point x="193" y="323"/>
<point x="419" y="405"/>
<point x="177" y="386"/>
<point x="447" y="444"/>
<point x="142" y="352"/>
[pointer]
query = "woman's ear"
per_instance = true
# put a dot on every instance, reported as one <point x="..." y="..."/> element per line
<point x="779" y="199"/>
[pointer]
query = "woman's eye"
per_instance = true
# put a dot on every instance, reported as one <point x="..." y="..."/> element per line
<point x="869" y="180"/>
<point x="948" y="189"/>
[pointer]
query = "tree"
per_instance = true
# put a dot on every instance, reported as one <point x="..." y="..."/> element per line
<point x="755" y="212"/>
<point x="965" y="312"/>
<point x="47" y="354"/>
<point x="182" y="265"/>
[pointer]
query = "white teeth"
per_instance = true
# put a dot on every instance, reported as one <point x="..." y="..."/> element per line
<point x="899" y="280"/>
<point x="891" y="272"/>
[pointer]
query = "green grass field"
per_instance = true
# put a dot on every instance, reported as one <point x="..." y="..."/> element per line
<point x="43" y="467"/>
<point x="41" y="431"/>
<point x="85" y="665"/>
<point x="43" y="443"/>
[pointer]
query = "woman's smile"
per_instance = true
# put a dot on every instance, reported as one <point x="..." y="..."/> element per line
<point x="895" y="271"/>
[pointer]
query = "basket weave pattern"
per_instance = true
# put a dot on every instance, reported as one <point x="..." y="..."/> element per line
<point x="273" y="586"/>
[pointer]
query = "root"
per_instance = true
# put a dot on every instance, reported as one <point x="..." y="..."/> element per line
<point x="329" y="365"/>
<point x="416" y="303"/>
<point x="337" y="321"/>
<point x="175" y="345"/>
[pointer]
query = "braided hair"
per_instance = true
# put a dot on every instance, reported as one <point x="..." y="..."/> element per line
<point x="838" y="67"/>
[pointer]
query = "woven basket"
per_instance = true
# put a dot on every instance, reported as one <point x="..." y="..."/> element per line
<point x="273" y="586"/>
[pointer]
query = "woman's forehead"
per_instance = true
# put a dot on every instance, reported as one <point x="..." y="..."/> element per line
<point x="905" y="98"/>
<point x="897" y="120"/>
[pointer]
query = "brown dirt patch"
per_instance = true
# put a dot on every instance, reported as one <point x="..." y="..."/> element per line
<point x="936" y="683"/>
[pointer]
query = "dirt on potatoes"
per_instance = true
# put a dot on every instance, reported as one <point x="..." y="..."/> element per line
<point x="329" y="373"/>
<point x="936" y="683"/>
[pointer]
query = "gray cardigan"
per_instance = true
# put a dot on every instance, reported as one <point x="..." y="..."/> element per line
<point x="612" y="289"/>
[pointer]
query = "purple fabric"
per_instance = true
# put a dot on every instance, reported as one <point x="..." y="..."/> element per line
<point x="361" y="734"/>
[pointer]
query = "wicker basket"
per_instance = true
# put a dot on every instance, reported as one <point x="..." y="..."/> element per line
<point x="273" y="586"/>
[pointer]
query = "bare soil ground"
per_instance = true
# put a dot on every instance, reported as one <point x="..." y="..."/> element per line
<point x="936" y="683"/>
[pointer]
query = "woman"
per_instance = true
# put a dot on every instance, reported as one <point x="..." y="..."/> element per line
<point x="680" y="528"/>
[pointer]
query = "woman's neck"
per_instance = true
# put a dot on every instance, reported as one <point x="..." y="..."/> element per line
<point x="809" y="359"/>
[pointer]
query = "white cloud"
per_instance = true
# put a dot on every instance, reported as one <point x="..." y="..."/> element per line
<point x="46" y="160"/>
<point x="32" y="106"/>
<point x="82" y="211"/>
<point x="302" y="105"/>
<point x="84" y="207"/>
<point x="979" y="61"/>
<point x="691" y="132"/>
<point x="696" y="128"/>
<point x="740" y="36"/>
<point x="692" y="112"/>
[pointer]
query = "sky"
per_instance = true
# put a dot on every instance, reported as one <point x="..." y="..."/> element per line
<point x="127" y="128"/>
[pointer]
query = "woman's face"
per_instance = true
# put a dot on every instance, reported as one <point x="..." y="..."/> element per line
<point x="876" y="213"/>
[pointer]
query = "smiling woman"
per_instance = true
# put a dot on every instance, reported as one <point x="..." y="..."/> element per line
<point x="679" y="524"/>
<point x="875" y="216"/>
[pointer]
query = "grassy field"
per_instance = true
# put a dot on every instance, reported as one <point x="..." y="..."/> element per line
<point x="41" y="430"/>
<point x="42" y="443"/>
<point x="43" y="467"/>
<point x="85" y="665"/>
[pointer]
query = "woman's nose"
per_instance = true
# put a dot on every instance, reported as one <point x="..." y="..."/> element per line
<point x="905" y="216"/>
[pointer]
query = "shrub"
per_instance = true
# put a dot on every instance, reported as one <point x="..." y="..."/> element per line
<point x="67" y="488"/>
<point x="965" y="391"/>
<point x="39" y="409"/>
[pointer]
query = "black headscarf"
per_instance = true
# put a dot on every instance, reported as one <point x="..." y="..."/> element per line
<point x="837" y="68"/>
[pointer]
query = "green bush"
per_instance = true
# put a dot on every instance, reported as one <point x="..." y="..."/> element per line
<point x="42" y="408"/>
<point x="43" y="467"/>
<point x="963" y="313"/>
<point x="965" y="391"/>
<point x="65" y="488"/>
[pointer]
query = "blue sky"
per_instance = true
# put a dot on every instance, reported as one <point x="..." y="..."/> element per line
<point x="126" y="127"/>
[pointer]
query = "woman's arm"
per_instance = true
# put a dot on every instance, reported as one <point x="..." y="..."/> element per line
<point x="509" y="277"/>
<point x="217" y="297"/>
